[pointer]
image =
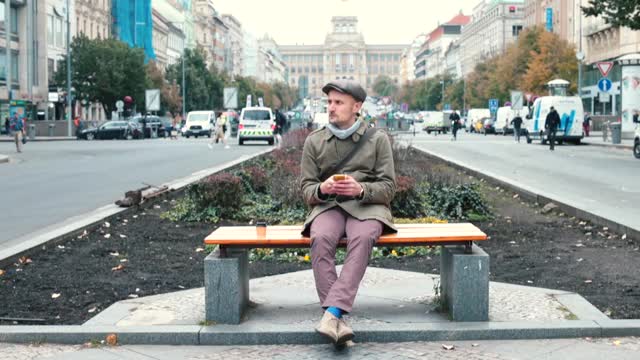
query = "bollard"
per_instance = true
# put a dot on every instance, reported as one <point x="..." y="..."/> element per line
<point x="52" y="129"/>
<point x="31" y="132"/>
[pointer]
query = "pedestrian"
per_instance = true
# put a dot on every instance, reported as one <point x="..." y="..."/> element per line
<point x="517" y="125"/>
<point x="16" y="126"/>
<point x="7" y="127"/>
<point x="348" y="180"/>
<point x="455" y="124"/>
<point x="551" y="126"/>
<point x="174" y="128"/>
<point x="144" y="127"/>
<point x="281" y="123"/>
<point x="221" y="129"/>
<point x="636" y="120"/>
<point x="586" y="124"/>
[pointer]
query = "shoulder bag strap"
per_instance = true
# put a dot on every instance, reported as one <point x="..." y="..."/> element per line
<point x="334" y="169"/>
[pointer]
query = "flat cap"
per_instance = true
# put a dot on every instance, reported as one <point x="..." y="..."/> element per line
<point x="345" y="86"/>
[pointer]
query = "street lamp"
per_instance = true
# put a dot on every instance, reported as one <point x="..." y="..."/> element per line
<point x="69" y="108"/>
<point x="442" y="98"/>
<point x="184" y="85"/>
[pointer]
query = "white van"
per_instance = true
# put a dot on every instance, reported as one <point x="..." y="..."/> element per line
<point x="256" y="123"/>
<point x="476" y="117"/>
<point x="199" y="123"/>
<point x="503" y="119"/>
<point x="571" y="114"/>
<point x="436" y="121"/>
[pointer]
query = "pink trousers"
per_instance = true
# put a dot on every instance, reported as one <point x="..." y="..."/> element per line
<point x="326" y="230"/>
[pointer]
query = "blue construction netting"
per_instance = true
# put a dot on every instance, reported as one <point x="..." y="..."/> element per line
<point x="133" y="24"/>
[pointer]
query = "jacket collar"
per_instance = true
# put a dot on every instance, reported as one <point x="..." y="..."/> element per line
<point x="356" y="135"/>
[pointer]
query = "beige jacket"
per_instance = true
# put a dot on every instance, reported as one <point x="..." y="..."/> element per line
<point x="372" y="166"/>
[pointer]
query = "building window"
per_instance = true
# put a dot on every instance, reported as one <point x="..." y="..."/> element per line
<point x="58" y="32"/>
<point x="516" y="29"/>
<point x="14" y="66"/>
<point x="50" y="39"/>
<point x="14" y="18"/>
<point x="50" y="69"/>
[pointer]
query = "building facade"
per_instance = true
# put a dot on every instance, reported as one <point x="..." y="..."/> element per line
<point x="26" y="23"/>
<point x="271" y="67"/>
<point x="408" y="59"/>
<point x="344" y="55"/>
<point x="430" y="60"/>
<point x="203" y="16"/>
<point x="249" y="55"/>
<point x="160" y="39"/>
<point x="562" y="17"/>
<point x="234" y="46"/>
<point x="133" y="24"/>
<point x="494" y="25"/>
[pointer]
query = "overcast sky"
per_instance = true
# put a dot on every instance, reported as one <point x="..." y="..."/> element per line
<point x="292" y="22"/>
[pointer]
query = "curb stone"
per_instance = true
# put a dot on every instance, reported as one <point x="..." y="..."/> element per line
<point x="304" y="335"/>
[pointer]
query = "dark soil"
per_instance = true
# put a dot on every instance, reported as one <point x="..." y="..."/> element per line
<point x="159" y="256"/>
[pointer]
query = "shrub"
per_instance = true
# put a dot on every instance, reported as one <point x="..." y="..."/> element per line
<point x="255" y="178"/>
<point x="295" y="139"/>
<point x="410" y="200"/>
<point x="457" y="201"/>
<point x="223" y="191"/>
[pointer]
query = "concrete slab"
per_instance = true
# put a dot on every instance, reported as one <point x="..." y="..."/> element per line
<point x="385" y="297"/>
<point x="4" y="159"/>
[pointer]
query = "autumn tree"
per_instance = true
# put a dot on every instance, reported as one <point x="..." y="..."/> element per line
<point x="170" y="97"/>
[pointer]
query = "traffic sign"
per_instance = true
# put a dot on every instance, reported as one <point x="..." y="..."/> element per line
<point x="604" y="85"/>
<point x="230" y="97"/>
<point x="152" y="99"/>
<point x="516" y="100"/>
<point x="605" y="67"/>
<point x="493" y="105"/>
<point x="447" y="107"/>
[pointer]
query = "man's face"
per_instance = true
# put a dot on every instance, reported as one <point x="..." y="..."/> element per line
<point x="342" y="108"/>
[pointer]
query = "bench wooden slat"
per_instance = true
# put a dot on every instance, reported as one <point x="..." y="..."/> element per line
<point x="282" y="235"/>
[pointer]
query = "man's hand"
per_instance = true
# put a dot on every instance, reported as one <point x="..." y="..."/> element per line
<point x="347" y="187"/>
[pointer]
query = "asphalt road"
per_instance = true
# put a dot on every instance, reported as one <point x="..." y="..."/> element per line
<point x="603" y="181"/>
<point x="50" y="182"/>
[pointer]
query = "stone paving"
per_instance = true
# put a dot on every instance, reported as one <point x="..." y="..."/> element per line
<point x="408" y="292"/>
<point x="605" y="348"/>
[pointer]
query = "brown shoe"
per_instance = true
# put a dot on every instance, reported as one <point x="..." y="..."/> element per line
<point x="345" y="333"/>
<point x="328" y="326"/>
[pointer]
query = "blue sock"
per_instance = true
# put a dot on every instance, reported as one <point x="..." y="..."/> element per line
<point x="335" y="311"/>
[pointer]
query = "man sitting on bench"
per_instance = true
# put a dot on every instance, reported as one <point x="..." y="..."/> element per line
<point x="348" y="180"/>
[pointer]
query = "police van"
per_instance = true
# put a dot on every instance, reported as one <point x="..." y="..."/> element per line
<point x="256" y="123"/>
<point x="571" y="114"/>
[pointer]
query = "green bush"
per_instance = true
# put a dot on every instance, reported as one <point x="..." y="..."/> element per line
<point x="223" y="191"/>
<point x="410" y="200"/>
<point x="457" y="201"/>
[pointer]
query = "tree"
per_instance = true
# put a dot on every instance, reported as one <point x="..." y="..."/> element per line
<point x="615" y="12"/>
<point x="203" y="91"/>
<point x="105" y="71"/>
<point x="385" y="86"/>
<point x="170" y="99"/>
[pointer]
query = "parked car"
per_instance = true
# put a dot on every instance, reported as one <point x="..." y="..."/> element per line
<point x="125" y="130"/>
<point x="256" y="123"/>
<point x="152" y="122"/>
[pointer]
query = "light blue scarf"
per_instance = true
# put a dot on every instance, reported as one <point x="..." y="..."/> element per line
<point x="343" y="133"/>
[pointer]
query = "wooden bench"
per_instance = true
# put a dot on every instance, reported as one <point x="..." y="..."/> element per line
<point x="464" y="269"/>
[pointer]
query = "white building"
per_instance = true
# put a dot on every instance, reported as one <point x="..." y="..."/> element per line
<point x="430" y="60"/>
<point x="494" y="25"/>
<point x="270" y="66"/>
<point x="249" y="55"/>
<point x="233" y="46"/>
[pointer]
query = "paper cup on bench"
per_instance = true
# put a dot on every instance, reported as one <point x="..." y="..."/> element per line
<point x="261" y="228"/>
